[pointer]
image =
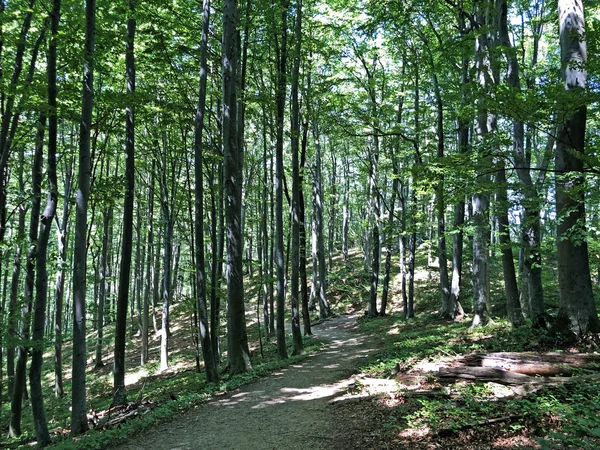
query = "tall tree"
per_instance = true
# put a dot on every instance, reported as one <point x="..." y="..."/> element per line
<point x="41" y="282"/>
<point x="78" y="400"/>
<point x="210" y="364"/>
<point x="577" y="311"/>
<point x="281" y="51"/>
<point x="296" y="186"/>
<point x="119" y="394"/>
<point x="237" y="338"/>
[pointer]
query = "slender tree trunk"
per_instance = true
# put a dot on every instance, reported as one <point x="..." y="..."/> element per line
<point x="15" y="288"/>
<point x="41" y="282"/>
<point x="265" y="232"/>
<point x="302" y="220"/>
<point x="62" y="242"/>
<point x="281" y="51"/>
<point x="119" y="393"/>
<point x="480" y="200"/>
<point x="346" y="208"/>
<point x="18" y="384"/>
<point x="210" y="364"/>
<point x="238" y="352"/>
<point x="150" y="274"/>
<point x="296" y="186"/>
<point x="104" y="285"/>
<point x="324" y="308"/>
<point x="140" y="257"/>
<point x="332" y="211"/>
<point x="389" y="244"/>
<point x="511" y="289"/>
<point x="531" y="240"/>
<point x="78" y="402"/>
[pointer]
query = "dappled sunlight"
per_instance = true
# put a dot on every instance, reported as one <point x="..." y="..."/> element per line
<point x="135" y="377"/>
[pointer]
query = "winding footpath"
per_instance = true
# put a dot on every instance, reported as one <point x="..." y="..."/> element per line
<point x="290" y="409"/>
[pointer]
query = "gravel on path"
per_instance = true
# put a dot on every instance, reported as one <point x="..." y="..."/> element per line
<point x="290" y="409"/>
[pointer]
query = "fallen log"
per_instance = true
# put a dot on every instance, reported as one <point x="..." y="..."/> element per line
<point x="493" y="375"/>
<point x="530" y="363"/>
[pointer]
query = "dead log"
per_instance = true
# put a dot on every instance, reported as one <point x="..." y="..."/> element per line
<point x="530" y="363"/>
<point x="493" y="375"/>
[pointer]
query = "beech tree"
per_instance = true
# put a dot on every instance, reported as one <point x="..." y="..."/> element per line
<point x="577" y="307"/>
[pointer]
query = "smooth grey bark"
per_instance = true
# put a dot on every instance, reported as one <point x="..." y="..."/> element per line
<point x="119" y="393"/>
<point x="296" y="186"/>
<point x="454" y="302"/>
<point x="62" y="244"/>
<point x="78" y="401"/>
<point x="45" y="227"/>
<point x="216" y="271"/>
<point x="480" y="199"/>
<point x="264" y="205"/>
<point x="530" y="237"/>
<point x="511" y="288"/>
<point x="237" y="338"/>
<point x="210" y="364"/>
<point x="104" y="285"/>
<point x="313" y="253"/>
<point x="448" y="309"/>
<point x="389" y="244"/>
<point x="150" y="275"/>
<point x="346" y="208"/>
<point x="18" y="382"/>
<point x="577" y="311"/>
<point x="332" y="210"/>
<point x="157" y="282"/>
<point x="324" y="308"/>
<point x="16" y="280"/>
<point x="376" y="244"/>
<point x="168" y="225"/>
<point x="281" y="52"/>
<point x="302" y="220"/>
<point x="140" y="257"/>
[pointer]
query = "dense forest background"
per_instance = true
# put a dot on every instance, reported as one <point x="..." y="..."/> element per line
<point x="159" y="153"/>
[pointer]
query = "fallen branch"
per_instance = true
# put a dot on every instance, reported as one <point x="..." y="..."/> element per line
<point x="487" y="422"/>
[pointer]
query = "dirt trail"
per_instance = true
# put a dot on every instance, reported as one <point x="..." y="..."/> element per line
<point x="291" y="409"/>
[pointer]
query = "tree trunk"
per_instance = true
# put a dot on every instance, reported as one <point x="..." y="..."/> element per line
<point x="41" y="282"/>
<point x="324" y="308"/>
<point x="78" y="403"/>
<point x="210" y="364"/>
<point x="302" y="220"/>
<point x="104" y="285"/>
<point x="346" y="208"/>
<point x="18" y="384"/>
<point x="119" y="394"/>
<point x="265" y="232"/>
<point x="281" y="51"/>
<point x="332" y="210"/>
<point x="150" y="274"/>
<point x="238" y="352"/>
<point x="62" y="243"/>
<point x="531" y="203"/>
<point x="511" y="289"/>
<point x="577" y="312"/>
<point x="296" y="186"/>
<point x="480" y="200"/>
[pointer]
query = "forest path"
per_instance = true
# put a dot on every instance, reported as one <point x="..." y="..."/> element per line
<point x="290" y="409"/>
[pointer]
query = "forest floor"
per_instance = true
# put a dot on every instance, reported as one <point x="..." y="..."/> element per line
<point x="298" y="407"/>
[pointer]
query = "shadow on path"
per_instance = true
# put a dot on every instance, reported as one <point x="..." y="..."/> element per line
<point x="290" y="409"/>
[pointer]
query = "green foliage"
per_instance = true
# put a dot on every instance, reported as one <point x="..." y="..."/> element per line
<point x="566" y="416"/>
